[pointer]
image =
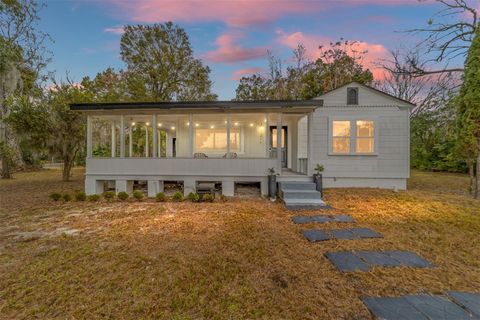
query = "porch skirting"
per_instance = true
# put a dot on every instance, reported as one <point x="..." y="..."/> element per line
<point x="94" y="184"/>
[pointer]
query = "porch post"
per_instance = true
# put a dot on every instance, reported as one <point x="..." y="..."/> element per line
<point x="190" y="134"/>
<point x="154" y="136"/>
<point x="122" y="136"/>
<point x="146" y="141"/>
<point x="159" y="145"/>
<point x="130" y="140"/>
<point x="114" y="140"/>
<point x="310" y="144"/>
<point x="168" y="145"/>
<point x="229" y="118"/>
<point x="89" y="136"/>
<point x="267" y="135"/>
<point x="279" y="141"/>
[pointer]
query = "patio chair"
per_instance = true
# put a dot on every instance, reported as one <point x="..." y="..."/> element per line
<point x="200" y="155"/>
<point x="230" y="155"/>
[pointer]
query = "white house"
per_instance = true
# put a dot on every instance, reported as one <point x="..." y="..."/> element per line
<point x="359" y="134"/>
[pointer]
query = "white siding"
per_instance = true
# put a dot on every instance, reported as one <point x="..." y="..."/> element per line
<point x="389" y="167"/>
<point x="366" y="97"/>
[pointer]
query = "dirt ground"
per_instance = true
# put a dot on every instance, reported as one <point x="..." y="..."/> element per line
<point x="239" y="259"/>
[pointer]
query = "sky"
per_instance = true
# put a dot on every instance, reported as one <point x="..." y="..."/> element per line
<point x="230" y="36"/>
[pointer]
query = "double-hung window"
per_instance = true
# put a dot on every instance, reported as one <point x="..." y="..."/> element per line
<point x="352" y="136"/>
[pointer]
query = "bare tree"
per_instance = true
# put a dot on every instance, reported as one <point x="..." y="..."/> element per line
<point x="448" y="36"/>
<point x="429" y="92"/>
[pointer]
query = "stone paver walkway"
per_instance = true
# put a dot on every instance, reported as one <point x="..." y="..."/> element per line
<point x="455" y="306"/>
<point x="347" y="261"/>
<point x="344" y="234"/>
<point x="322" y="219"/>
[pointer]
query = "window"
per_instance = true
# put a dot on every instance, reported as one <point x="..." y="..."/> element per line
<point x="365" y="139"/>
<point x="274" y="138"/>
<point x="352" y="96"/>
<point x="341" y="137"/>
<point x="352" y="136"/>
<point x="216" y="140"/>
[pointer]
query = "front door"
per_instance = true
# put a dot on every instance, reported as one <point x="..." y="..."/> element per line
<point x="284" y="146"/>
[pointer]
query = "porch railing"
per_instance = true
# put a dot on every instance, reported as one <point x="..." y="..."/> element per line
<point x="302" y="165"/>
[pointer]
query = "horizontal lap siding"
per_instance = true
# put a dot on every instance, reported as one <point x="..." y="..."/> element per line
<point x="392" y="160"/>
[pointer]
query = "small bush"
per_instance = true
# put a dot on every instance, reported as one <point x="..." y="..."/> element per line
<point x="137" y="194"/>
<point x="161" y="197"/>
<point x="93" y="197"/>
<point x="66" y="197"/>
<point x="122" y="195"/>
<point x="109" y="195"/>
<point x="208" y="197"/>
<point x="80" y="196"/>
<point x="177" y="196"/>
<point x="223" y="198"/>
<point x="55" y="196"/>
<point x="193" y="196"/>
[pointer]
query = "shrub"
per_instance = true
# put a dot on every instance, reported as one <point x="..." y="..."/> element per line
<point x="66" y="197"/>
<point x="93" y="197"/>
<point x="80" y="196"/>
<point x="223" y="198"/>
<point x="208" y="197"/>
<point x="161" y="197"/>
<point x="137" y="194"/>
<point x="55" y="196"/>
<point x="177" y="196"/>
<point x="122" y="195"/>
<point x="109" y="195"/>
<point x="193" y="196"/>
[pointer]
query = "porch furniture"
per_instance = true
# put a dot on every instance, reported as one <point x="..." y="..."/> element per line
<point x="230" y="155"/>
<point x="200" y="155"/>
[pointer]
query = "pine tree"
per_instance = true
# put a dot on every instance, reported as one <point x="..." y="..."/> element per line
<point x="469" y="114"/>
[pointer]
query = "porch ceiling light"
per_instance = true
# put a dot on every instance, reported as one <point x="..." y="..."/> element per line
<point x="236" y="123"/>
<point x="212" y="127"/>
<point x="251" y="124"/>
<point x="173" y="128"/>
<point x="196" y="124"/>
<point x="159" y="124"/>
<point x="188" y="123"/>
<point x="133" y="123"/>
<point x="148" y="123"/>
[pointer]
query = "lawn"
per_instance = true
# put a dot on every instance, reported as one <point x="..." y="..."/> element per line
<point x="240" y="259"/>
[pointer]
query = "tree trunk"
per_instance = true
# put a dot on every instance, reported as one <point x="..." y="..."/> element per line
<point x="68" y="161"/>
<point x="471" y="173"/>
<point x="476" y="194"/>
<point x="6" y="169"/>
<point x="67" y="169"/>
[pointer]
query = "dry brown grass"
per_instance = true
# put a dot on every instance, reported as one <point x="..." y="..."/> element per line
<point x="242" y="259"/>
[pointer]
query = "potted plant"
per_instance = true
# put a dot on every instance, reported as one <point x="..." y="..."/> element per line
<point x="317" y="177"/>
<point x="272" y="183"/>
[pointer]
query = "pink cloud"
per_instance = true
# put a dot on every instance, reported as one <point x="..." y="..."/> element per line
<point x="237" y="13"/>
<point x="115" y="30"/>
<point x="246" y="72"/>
<point x="375" y="52"/>
<point x="228" y="51"/>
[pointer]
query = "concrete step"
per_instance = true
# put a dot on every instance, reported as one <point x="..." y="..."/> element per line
<point x="304" y="202"/>
<point x="297" y="185"/>
<point x="300" y="194"/>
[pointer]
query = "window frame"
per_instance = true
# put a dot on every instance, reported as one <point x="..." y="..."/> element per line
<point x="218" y="152"/>
<point x="348" y="96"/>
<point x="353" y="136"/>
